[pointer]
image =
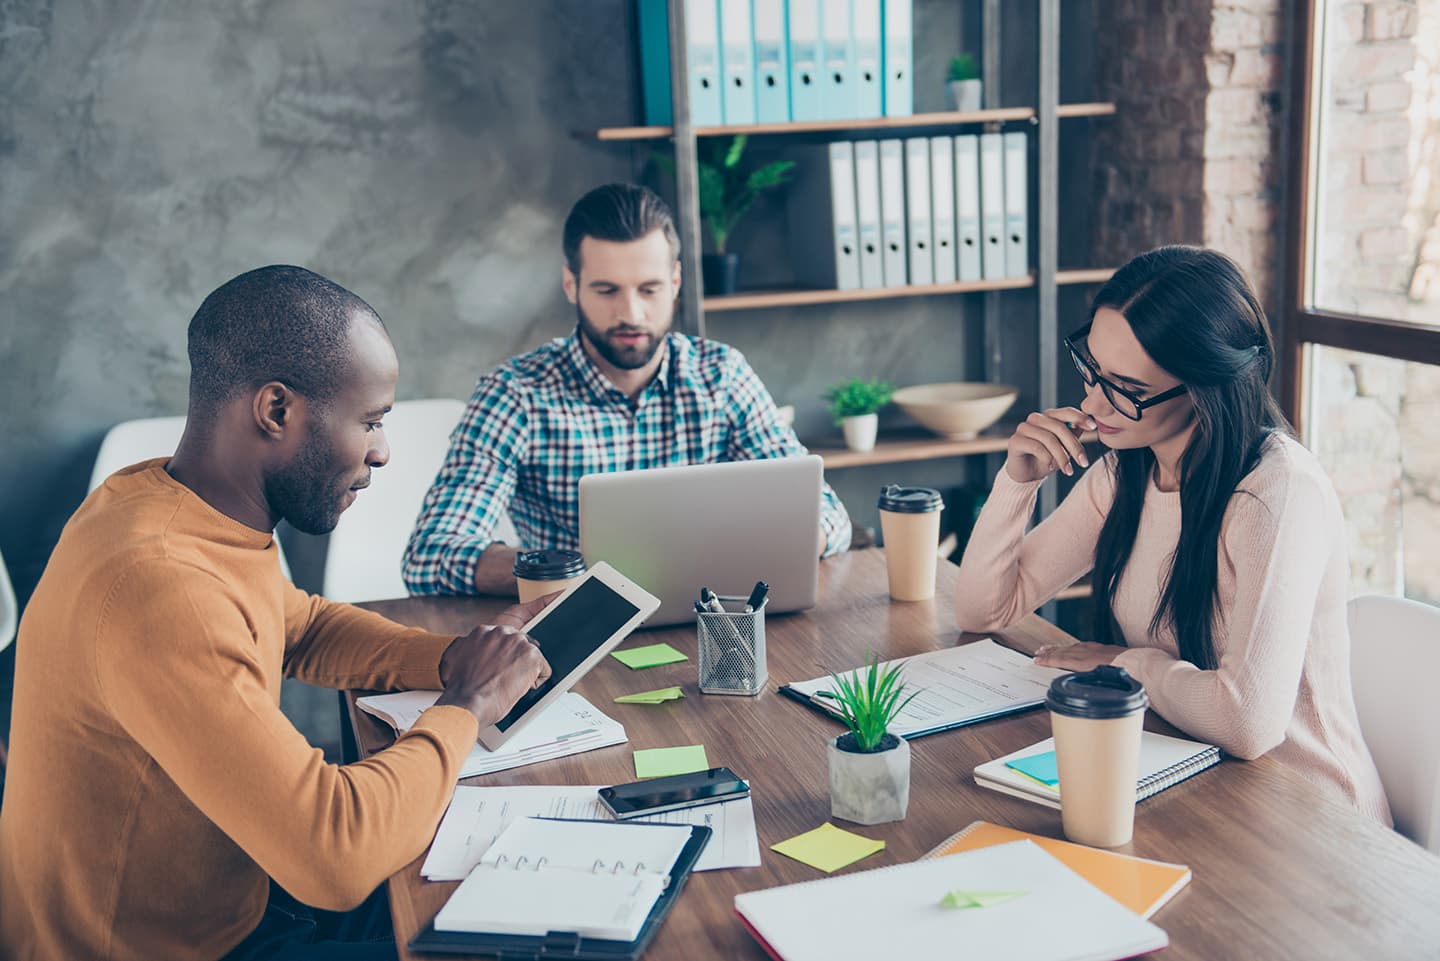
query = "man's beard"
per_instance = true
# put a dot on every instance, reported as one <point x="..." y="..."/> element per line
<point x="620" y="357"/>
<point x="303" y="492"/>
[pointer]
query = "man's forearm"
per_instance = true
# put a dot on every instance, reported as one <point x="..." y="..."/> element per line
<point x="495" y="571"/>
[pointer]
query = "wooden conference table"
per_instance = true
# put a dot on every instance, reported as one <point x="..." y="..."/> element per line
<point x="1280" y="871"/>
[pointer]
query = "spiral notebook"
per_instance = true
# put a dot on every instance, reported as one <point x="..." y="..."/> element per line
<point x="579" y="889"/>
<point x="1029" y="772"/>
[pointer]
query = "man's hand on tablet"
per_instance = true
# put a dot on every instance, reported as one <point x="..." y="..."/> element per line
<point x="493" y="666"/>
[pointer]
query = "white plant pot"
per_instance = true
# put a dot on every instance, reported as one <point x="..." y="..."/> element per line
<point x="964" y="95"/>
<point x="869" y="788"/>
<point x="860" y="431"/>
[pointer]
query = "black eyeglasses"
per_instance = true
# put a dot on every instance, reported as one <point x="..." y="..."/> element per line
<point x="1124" y="400"/>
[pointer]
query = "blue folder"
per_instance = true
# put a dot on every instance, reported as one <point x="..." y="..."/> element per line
<point x="868" y="73"/>
<point x="772" y="62"/>
<point x="837" y="59"/>
<point x="899" y="86"/>
<point x="803" y="29"/>
<point x="737" y="61"/>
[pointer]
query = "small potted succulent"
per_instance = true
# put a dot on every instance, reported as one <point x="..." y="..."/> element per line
<point x="962" y="82"/>
<point x="855" y="405"/>
<point x="869" y="766"/>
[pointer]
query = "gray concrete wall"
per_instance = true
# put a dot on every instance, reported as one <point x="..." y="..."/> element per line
<point x="417" y="151"/>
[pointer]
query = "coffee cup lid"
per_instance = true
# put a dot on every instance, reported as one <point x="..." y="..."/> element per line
<point x="1105" y="692"/>
<point x="550" y="565"/>
<point x="910" y="500"/>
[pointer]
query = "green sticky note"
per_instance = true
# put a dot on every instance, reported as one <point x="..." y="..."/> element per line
<point x="664" y="761"/>
<point x="828" y="847"/>
<point x="652" y="656"/>
<point x="651" y="697"/>
<point x="979" y="899"/>
<point x="1039" y="767"/>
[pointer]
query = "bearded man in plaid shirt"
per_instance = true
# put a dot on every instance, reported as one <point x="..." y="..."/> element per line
<point x="624" y="392"/>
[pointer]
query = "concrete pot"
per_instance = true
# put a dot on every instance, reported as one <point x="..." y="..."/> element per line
<point x="964" y="95"/>
<point x="869" y="788"/>
<point x="860" y="431"/>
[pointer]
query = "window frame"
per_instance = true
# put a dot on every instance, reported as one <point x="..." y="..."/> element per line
<point x="1304" y="324"/>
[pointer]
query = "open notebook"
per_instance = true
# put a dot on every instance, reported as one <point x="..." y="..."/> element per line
<point x="1023" y="905"/>
<point x="1140" y="884"/>
<point x="1029" y="773"/>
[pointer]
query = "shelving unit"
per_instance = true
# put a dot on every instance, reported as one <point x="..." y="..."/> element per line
<point x="751" y="300"/>
<point x="898" y="448"/>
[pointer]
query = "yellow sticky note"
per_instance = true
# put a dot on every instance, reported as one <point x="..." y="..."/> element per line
<point x="651" y="697"/>
<point x="652" y="655"/>
<point x="828" y="848"/>
<point x="664" y="761"/>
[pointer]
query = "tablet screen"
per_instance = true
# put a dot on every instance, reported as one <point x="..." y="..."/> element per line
<point x="570" y="632"/>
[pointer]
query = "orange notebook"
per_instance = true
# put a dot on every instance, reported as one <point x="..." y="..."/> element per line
<point x="1139" y="884"/>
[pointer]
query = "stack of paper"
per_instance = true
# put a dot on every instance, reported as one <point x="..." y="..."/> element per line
<point x="571" y="725"/>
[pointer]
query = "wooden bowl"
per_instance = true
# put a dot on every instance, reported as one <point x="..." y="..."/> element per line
<point x="957" y="410"/>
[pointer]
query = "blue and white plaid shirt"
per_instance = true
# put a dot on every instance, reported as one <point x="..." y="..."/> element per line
<point x="545" y="419"/>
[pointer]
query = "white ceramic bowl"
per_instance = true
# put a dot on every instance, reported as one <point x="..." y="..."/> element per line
<point x="957" y="410"/>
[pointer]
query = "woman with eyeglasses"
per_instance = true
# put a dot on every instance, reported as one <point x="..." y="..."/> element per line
<point x="1214" y="539"/>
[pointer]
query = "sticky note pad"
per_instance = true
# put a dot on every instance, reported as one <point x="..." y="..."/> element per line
<point x="978" y="899"/>
<point x="1041" y="767"/>
<point x="664" y="761"/>
<point x="828" y="847"/>
<point x="652" y="656"/>
<point x="651" y="697"/>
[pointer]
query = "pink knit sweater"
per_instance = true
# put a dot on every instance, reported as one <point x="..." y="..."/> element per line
<point x="1283" y="681"/>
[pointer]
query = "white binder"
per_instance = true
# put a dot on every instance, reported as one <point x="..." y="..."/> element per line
<point x="992" y="206"/>
<point x="917" y="209"/>
<point x="967" y="206"/>
<point x="823" y="229"/>
<point x="892" y="211"/>
<point x="942" y="208"/>
<point x="899" y="53"/>
<point x="802" y="22"/>
<point x="867" y="213"/>
<point x="702" y="55"/>
<point x="737" y="62"/>
<point x="837" y="52"/>
<point x="1017" y="189"/>
<point x="772" y="63"/>
<point x="869" y="77"/>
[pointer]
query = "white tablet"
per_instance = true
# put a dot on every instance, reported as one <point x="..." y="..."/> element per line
<point x="579" y="627"/>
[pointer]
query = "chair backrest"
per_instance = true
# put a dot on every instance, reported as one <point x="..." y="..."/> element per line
<point x="132" y="441"/>
<point x="362" y="562"/>
<point x="1395" y="660"/>
<point x="9" y="610"/>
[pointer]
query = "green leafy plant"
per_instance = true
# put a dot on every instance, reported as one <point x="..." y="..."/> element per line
<point x="856" y="398"/>
<point x="726" y="190"/>
<point x="868" y="700"/>
<point x="963" y="67"/>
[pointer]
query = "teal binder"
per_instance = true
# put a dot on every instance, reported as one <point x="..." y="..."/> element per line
<point x="868" y="75"/>
<point x="772" y="62"/>
<point x="654" y="20"/>
<point x="737" y="62"/>
<point x="803" y="31"/>
<point x="837" y="56"/>
<point x="899" y="86"/>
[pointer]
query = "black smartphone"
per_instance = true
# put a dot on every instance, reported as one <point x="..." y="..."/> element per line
<point x="673" y="793"/>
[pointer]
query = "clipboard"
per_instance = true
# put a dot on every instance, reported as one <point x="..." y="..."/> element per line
<point x="567" y="944"/>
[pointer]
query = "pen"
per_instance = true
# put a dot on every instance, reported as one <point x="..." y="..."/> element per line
<point x="736" y="644"/>
<point x="757" y="597"/>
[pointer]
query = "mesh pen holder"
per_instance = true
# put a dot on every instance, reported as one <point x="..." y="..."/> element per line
<point x="732" y="649"/>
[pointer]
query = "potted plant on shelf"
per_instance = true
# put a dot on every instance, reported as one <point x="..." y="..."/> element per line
<point x="726" y="193"/>
<point x="869" y="766"/>
<point x="855" y="404"/>
<point x="963" y="83"/>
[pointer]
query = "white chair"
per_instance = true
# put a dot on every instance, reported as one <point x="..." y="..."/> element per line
<point x="132" y="441"/>
<point x="362" y="562"/>
<point x="1395" y="658"/>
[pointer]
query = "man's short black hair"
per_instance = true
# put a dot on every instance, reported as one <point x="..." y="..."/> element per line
<point x="620" y="213"/>
<point x="273" y="323"/>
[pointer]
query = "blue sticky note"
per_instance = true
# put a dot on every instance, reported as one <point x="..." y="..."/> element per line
<point x="1041" y="767"/>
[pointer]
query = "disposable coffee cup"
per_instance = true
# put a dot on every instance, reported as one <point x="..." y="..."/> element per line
<point x="538" y="573"/>
<point x="1096" y="717"/>
<point x="910" y="524"/>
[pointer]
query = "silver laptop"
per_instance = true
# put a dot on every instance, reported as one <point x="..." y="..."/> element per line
<point x="673" y="530"/>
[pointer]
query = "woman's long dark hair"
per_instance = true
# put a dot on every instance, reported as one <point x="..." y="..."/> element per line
<point x="1194" y="313"/>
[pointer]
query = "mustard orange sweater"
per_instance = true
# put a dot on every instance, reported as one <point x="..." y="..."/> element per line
<point x="153" y="783"/>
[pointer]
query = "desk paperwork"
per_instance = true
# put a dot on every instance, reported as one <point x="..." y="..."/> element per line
<point x="1140" y="884"/>
<point x="957" y="685"/>
<point x="478" y="815"/>
<point x="569" y="726"/>
<point x="896" y="912"/>
<point x="1029" y="773"/>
